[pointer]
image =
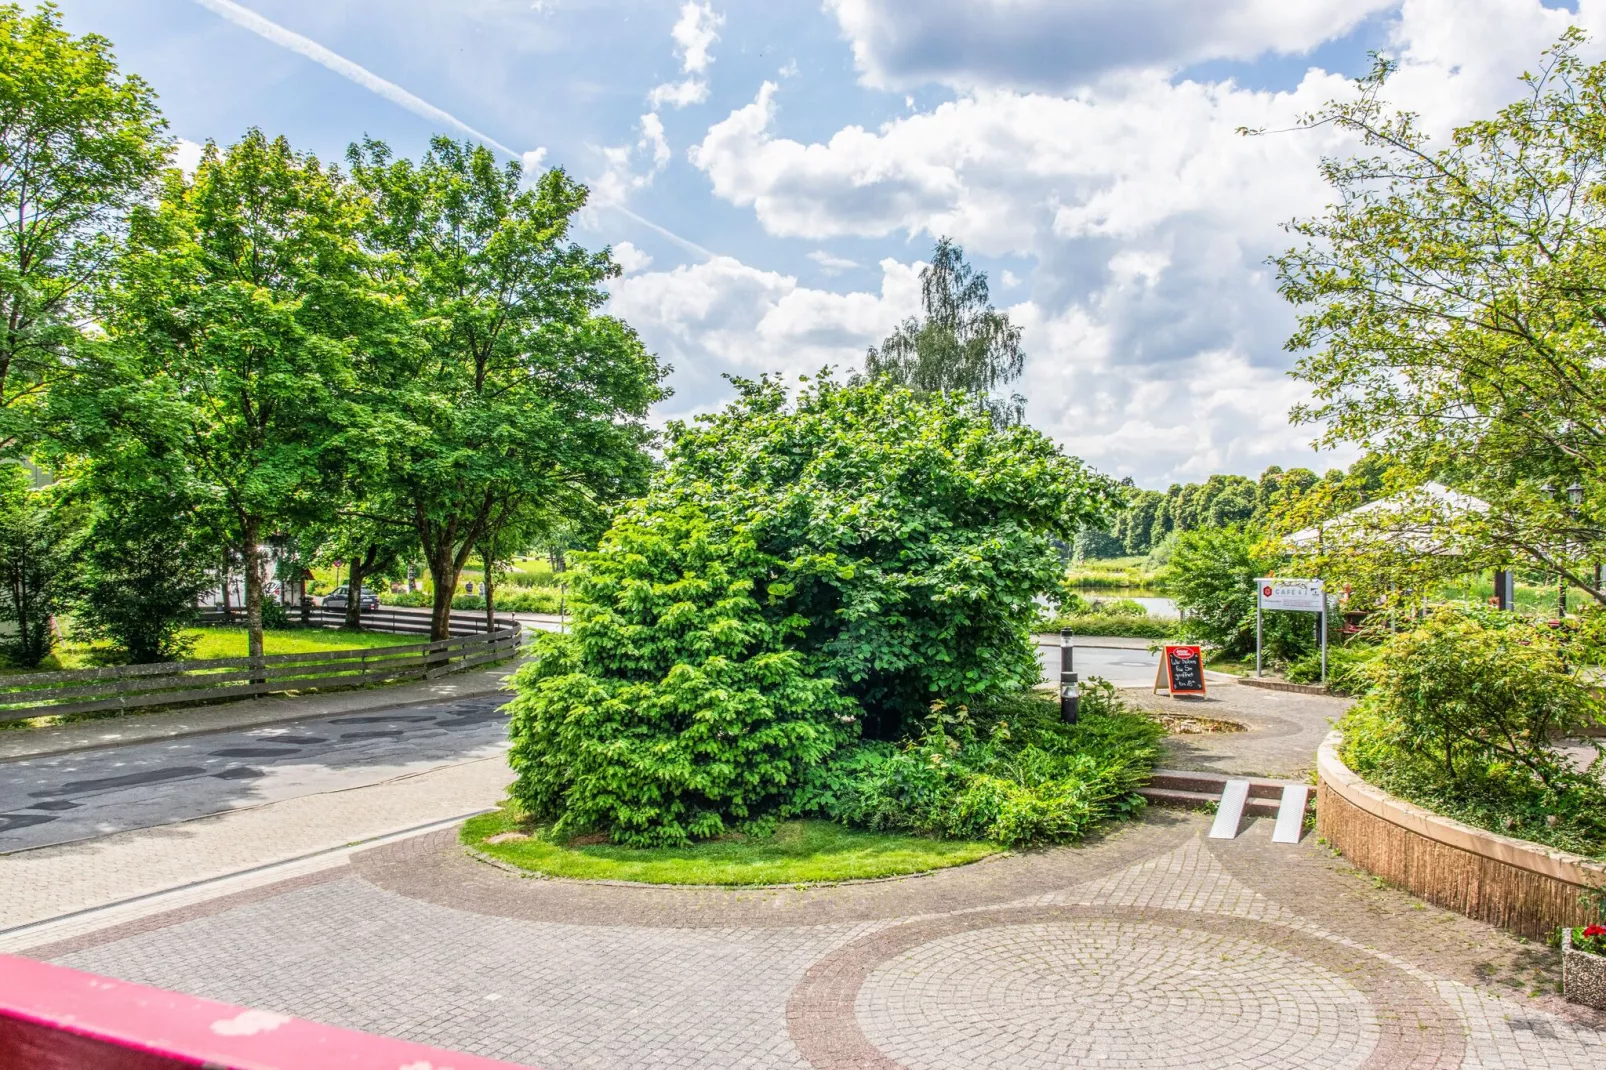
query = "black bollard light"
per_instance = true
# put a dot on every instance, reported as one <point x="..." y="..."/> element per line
<point x="1070" y="691"/>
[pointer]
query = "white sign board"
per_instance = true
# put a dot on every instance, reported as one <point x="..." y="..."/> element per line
<point x="1306" y="596"/>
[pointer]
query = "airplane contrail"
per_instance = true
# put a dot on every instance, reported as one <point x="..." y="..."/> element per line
<point x="305" y="46"/>
<point x="286" y="38"/>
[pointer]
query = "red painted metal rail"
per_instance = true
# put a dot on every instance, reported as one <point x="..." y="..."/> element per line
<point x="53" y="1018"/>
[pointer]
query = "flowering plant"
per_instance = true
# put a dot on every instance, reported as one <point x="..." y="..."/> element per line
<point x="1590" y="938"/>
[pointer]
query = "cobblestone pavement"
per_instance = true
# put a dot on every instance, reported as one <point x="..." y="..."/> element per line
<point x="1285" y="728"/>
<point x="1149" y="946"/>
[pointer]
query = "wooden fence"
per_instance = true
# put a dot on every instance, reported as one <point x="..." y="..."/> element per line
<point x="126" y="687"/>
<point x="399" y="620"/>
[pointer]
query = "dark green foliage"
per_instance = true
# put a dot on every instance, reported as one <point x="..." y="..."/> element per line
<point x="509" y="391"/>
<point x="849" y="557"/>
<point x="1015" y="776"/>
<point x="1460" y="718"/>
<point x="39" y="534"/>
<point x="143" y="568"/>
<point x="1348" y="667"/>
<point x="676" y="708"/>
<point x="913" y="534"/>
<point x="1212" y="576"/>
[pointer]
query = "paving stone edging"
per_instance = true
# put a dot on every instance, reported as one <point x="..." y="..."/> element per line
<point x="1513" y="883"/>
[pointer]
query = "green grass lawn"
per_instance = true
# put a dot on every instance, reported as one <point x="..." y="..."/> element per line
<point x="227" y="643"/>
<point x="800" y="852"/>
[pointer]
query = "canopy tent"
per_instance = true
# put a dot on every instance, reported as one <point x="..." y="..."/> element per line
<point x="1411" y="521"/>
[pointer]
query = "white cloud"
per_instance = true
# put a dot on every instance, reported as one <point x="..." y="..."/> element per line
<point x="695" y="33"/>
<point x="1056" y="44"/>
<point x="831" y="265"/>
<point x="726" y="316"/>
<point x="1154" y="334"/>
<point x="679" y="94"/>
<point x="187" y="155"/>
<point x="630" y="259"/>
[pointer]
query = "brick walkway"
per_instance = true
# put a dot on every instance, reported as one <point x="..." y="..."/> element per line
<point x="1148" y="947"/>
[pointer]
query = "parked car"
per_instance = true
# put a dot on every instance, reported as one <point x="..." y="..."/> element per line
<point x="340" y="597"/>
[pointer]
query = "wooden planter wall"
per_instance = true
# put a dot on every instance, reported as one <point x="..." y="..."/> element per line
<point x="1517" y="885"/>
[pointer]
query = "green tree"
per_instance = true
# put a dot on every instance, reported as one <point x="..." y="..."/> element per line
<point x="514" y="390"/>
<point x="236" y="311"/>
<point x="79" y="146"/>
<point x="145" y="561"/>
<point x="1212" y="574"/>
<point x="963" y="344"/>
<point x="1451" y="306"/>
<point x="39" y="532"/>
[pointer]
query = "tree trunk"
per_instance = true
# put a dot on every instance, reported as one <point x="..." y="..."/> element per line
<point x="443" y="571"/>
<point x="253" y="590"/>
<point x="354" y="593"/>
<point x="228" y="609"/>
<point x="490" y="608"/>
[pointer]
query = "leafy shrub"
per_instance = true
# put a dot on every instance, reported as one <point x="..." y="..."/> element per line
<point x="468" y="601"/>
<point x="39" y="540"/>
<point x="1460" y="717"/>
<point x="142" y="572"/>
<point x="1212" y="575"/>
<point x="1016" y="775"/>
<point x="1108" y="624"/>
<point x="675" y="709"/>
<point x="1348" y="668"/>
<point x="412" y="599"/>
<point x="274" y="613"/>
<point x="798" y="570"/>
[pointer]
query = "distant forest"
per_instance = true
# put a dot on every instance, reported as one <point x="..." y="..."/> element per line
<point x="1220" y="501"/>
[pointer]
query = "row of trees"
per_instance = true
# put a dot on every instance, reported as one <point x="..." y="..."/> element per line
<point x="402" y="357"/>
<point x="1221" y="501"/>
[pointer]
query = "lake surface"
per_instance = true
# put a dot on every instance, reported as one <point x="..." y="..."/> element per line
<point x="1153" y="603"/>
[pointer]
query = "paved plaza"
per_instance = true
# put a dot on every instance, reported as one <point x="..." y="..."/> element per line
<point x="1149" y="946"/>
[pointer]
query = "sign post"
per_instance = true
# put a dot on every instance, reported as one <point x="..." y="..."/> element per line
<point x="1298" y="596"/>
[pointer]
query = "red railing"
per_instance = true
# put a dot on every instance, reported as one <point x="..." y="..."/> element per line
<point x="53" y="1018"/>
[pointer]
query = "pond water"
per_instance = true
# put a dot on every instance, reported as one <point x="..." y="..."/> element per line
<point x="1153" y="602"/>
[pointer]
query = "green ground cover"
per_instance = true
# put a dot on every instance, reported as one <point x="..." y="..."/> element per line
<point x="225" y="643"/>
<point x="799" y="852"/>
<point x="1113" y="572"/>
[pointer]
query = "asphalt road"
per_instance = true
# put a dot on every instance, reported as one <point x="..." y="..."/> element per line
<point x="68" y="797"/>
<point x="1121" y="667"/>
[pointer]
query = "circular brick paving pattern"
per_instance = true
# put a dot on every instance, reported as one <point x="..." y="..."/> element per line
<point x="1100" y="992"/>
<point x="1113" y="987"/>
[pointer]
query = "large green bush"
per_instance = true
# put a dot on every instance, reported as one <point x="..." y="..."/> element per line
<point x="800" y="569"/>
<point x="1461" y="717"/>
<point x="675" y="709"/>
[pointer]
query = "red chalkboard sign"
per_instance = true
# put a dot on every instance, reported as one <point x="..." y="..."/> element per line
<point x="1181" y="671"/>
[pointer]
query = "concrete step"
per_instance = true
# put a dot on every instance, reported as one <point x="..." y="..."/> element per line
<point x="1214" y="783"/>
<point x="1203" y="800"/>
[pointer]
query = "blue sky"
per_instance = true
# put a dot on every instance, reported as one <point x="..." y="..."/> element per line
<point x="772" y="174"/>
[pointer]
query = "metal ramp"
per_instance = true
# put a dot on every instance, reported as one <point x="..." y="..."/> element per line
<point x="1234" y="799"/>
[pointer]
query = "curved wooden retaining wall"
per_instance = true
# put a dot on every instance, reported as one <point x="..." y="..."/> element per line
<point x="1515" y="884"/>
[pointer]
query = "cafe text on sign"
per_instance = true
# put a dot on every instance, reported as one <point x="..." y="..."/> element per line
<point x="1303" y="596"/>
